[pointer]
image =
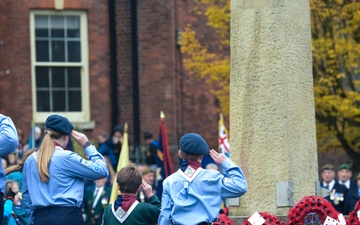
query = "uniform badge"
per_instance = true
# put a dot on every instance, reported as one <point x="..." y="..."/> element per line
<point x="189" y="171"/>
<point x="84" y="162"/>
<point x="227" y="180"/>
<point x="105" y="201"/>
<point x="336" y="197"/>
<point x="120" y="212"/>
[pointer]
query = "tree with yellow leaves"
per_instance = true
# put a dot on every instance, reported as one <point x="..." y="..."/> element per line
<point x="211" y="62"/>
<point x="335" y="27"/>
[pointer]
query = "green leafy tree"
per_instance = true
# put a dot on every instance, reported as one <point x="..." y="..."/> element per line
<point x="335" y="27"/>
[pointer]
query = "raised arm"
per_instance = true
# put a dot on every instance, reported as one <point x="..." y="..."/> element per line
<point x="8" y="136"/>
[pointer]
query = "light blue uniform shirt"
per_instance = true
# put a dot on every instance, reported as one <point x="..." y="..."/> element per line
<point x="198" y="198"/>
<point x="66" y="182"/>
<point x="8" y="143"/>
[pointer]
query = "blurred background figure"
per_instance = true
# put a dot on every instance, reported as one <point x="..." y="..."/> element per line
<point x="14" y="172"/>
<point x="337" y="191"/>
<point x="352" y="197"/>
<point x="112" y="147"/>
<point x="34" y="142"/>
<point x="12" y="199"/>
<point x="101" y="138"/>
<point x="345" y="175"/>
<point x="21" y="139"/>
<point x="8" y="143"/>
<point x="212" y="166"/>
<point x="148" y="176"/>
<point x="96" y="199"/>
<point x="151" y="147"/>
<point x="12" y="159"/>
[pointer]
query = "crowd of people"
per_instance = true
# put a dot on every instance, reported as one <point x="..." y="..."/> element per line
<point x="43" y="179"/>
<point x="343" y="191"/>
<point x="45" y="182"/>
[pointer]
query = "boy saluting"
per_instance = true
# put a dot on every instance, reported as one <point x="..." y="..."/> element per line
<point x="193" y="195"/>
<point x="126" y="209"/>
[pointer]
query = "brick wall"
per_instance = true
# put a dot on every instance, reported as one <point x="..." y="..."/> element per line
<point x="164" y="84"/>
<point x="15" y="87"/>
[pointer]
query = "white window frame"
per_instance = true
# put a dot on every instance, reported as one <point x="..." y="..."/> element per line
<point x="75" y="117"/>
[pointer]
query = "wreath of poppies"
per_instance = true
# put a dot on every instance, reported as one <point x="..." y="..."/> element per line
<point x="353" y="218"/>
<point x="311" y="204"/>
<point x="269" y="219"/>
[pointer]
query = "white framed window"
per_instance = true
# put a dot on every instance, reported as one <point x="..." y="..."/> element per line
<point x="59" y="65"/>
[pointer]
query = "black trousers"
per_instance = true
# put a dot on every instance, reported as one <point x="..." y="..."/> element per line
<point x="1" y="205"/>
<point x="58" y="215"/>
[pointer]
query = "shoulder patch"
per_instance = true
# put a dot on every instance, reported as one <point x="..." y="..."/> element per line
<point x="84" y="162"/>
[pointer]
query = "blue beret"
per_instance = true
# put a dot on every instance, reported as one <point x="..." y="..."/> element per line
<point x="194" y="144"/>
<point x="59" y="123"/>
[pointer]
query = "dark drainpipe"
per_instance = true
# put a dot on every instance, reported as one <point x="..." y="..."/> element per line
<point x="113" y="64"/>
<point x="135" y="72"/>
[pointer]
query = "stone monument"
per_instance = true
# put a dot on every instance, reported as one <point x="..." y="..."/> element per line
<point x="272" y="115"/>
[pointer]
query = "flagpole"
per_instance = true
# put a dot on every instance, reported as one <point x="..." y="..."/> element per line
<point x="221" y="119"/>
<point x="123" y="161"/>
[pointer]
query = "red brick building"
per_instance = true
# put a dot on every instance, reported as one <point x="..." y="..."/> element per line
<point x="102" y="63"/>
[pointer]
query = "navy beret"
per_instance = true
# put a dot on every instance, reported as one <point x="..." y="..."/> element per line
<point x="59" y="124"/>
<point x="194" y="144"/>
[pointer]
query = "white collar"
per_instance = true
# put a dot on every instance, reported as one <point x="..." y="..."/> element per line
<point x="189" y="174"/>
<point x="331" y="184"/>
<point x="120" y="214"/>
<point x="346" y="183"/>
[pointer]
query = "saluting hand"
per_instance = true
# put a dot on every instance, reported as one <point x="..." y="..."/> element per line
<point x="218" y="158"/>
<point x="147" y="189"/>
<point x="79" y="137"/>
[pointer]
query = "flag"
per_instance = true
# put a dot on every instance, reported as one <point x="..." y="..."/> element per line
<point x="31" y="141"/>
<point x="224" y="145"/>
<point x="163" y="161"/>
<point x="123" y="161"/>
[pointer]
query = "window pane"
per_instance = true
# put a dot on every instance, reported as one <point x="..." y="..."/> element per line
<point x="41" y="26"/>
<point x="74" y="77"/>
<point x="74" y="51"/>
<point x="42" y="77"/>
<point x="42" y="51"/>
<point x="43" y="102"/>
<point x="57" y="26"/>
<point x="59" y="102"/>
<point x="73" y="26"/>
<point x="74" y="101"/>
<point x="58" y="77"/>
<point x="58" y="51"/>
<point x="41" y="32"/>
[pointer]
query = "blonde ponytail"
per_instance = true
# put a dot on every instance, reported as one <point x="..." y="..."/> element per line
<point x="45" y="152"/>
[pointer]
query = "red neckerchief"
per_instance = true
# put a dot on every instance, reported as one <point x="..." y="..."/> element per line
<point x="193" y="163"/>
<point x="127" y="201"/>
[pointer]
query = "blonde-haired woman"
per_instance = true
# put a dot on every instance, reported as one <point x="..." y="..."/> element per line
<point x="53" y="178"/>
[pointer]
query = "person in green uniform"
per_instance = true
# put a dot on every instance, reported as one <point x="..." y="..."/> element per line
<point x="96" y="199"/>
<point x="126" y="210"/>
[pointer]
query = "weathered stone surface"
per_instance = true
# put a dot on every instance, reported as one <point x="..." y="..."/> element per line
<point x="272" y="117"/>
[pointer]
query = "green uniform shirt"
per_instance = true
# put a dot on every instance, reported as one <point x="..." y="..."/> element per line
<point x="143" y="214"/>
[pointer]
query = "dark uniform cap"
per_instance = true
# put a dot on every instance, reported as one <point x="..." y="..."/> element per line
<point x="346" y="166"/>
<point x="194" y="144"/>
<point x="59" y="123"/>
<point x="328" y="167"/>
